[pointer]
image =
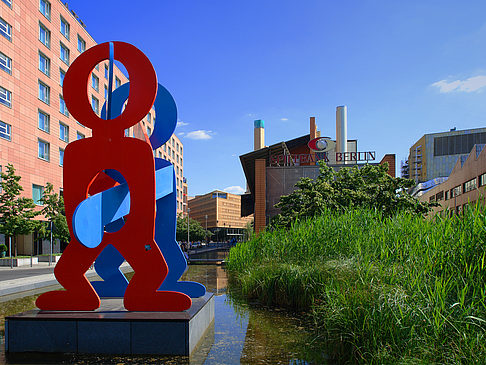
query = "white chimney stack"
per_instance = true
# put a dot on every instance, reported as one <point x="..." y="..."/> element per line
<point x="342" y="129"/>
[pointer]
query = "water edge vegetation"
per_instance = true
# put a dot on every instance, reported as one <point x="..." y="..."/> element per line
<point x="379" y="289"/>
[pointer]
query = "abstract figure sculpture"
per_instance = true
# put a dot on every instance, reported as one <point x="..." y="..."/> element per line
<point x="107" y="264"/>
<point x="122" y="217"/>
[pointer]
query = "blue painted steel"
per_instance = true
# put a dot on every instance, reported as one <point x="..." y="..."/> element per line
<point x="107" y="264"/>
<point x="93" y="215"/>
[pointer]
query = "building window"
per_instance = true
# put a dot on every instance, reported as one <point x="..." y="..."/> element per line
<point x="79" y="135"/>
<point x="81" y="44"/>
<point x="5" y="97"/>
<point x="44" y="121"/>
<point x="64" y="28"/>
<point x="63" y="132"/>
<point x="44" y="92"/>
<point x="456" y="191"/>
<point x="446" y="196"/>
<point x="439" y="196"/>
<point x="5" y="63"/>
<point x="62" y="106"/>
<point x="106" y="92"/>
<point x="62" y="74"/>
<point x="117" y="82"/>
<point x="95" y="104"/>
<point x="95" y="82"/>
<point x="9" y="3"/>
<point x="5" y="131"/>
<point x="470" y="185"/>
<point x="44" y="35"/>
<point x="61" y="157"/>
<point x="64" y="54"/>
<point x="482" y="180"/>
<point x="44" y="64"/>
<point x="5" y="29"/>
<point x="37" y="193"/>
<point x="149" y="131"/>
<point x="164" y="148"/>
<point x="43" y="150"/>
<point x="149" y="117"/>
<point x="45" y="8"/>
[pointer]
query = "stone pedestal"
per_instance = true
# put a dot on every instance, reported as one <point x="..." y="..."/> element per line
<point x="110" y="330"/>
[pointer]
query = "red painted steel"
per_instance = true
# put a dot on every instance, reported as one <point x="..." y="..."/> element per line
<point x="108" y="149"/>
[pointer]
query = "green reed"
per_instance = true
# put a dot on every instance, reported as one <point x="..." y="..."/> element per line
<point x="379" y="289"/>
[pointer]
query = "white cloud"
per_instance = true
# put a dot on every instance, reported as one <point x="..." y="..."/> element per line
<point x="180" y="123"/>
<point x="181" y="133"/>
<point x="199" y="134"/>
<point x="469" y="85"/>
<point x="284" y="119"/>
<point x="234" y="189"/>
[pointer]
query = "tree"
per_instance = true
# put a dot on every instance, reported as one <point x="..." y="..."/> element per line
<point x="16" y="213"/>
<point x="53" y="210"/>
<point x="369" y="186"/>
<point x="196" y="231"/>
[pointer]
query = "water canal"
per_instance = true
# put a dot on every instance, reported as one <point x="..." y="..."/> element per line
<point x="240" y="334"/>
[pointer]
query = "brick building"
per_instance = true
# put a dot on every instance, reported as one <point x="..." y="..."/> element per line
<point x="219" y="212"/>
<point x="273" y="171"/>
<point x="39" y="39"/>
<point x="465" y="185"/>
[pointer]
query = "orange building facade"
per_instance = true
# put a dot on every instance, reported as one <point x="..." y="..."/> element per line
<point x="39" y="39"/>
<point x="219" y="212"/>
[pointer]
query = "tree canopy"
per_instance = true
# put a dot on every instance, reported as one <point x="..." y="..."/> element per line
<point x="369" y="186"/>
<point x="196" y="231"/>
<point x="54" y="211"/>
<point x="16" y="213"/>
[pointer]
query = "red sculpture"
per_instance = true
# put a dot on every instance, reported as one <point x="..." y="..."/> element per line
<point x="86" y="159"/>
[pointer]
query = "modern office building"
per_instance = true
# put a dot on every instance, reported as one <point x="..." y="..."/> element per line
<point x="273" y="171"/>
<point x="39" y="39"/>
<point x="465" y="185"/>
<point x="219" y="212"/>
<point x="434" y="155"/>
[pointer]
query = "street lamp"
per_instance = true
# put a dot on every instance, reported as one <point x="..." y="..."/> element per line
<point x="188" y="246"/>
<point x="206" y="233"/>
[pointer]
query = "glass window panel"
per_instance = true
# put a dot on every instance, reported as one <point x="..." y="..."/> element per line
<point x="5" y="63"/>
<point x="44" y="35"/>
<point x="44" y="121"/>
<point x="5" y="97"/>
<point x="45" y="8"/>
<point x="5" y="29"/>
<point x="5" y="131"/>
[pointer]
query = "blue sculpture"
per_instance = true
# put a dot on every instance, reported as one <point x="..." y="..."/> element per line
<point x="105" y="210"/>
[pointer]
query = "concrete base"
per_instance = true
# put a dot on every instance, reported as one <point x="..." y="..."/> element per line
<point x="24" y="261"/>
<point x="110" y="330"/>
<point x="55" y="258"/>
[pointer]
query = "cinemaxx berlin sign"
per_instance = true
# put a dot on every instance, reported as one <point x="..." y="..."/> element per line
<point x="322" y="146"/>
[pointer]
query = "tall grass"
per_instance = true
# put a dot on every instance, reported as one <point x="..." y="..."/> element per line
<point x="379" y="289"/>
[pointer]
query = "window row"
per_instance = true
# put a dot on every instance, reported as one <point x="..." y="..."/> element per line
<point x="466" y="187"/>
<point x="44" y="149"/>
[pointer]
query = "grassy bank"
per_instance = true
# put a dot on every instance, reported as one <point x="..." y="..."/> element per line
<point x="379" y="289"/>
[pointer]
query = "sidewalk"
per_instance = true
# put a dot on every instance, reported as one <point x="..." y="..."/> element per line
<point x="24" y="281"/>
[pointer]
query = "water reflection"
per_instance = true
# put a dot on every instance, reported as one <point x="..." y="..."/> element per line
<point x="239" y="334"/>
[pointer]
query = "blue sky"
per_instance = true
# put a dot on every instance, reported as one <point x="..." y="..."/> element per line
<point x="403" y="68"/>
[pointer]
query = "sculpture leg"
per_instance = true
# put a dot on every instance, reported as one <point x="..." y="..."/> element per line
<point x="165" y="236"/>
<point x="70" y="272"/>
<point x="150" y="270"/>
<point x="107" y="266"/>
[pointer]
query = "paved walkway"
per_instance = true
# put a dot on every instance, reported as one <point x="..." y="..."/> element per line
<point x="22" y="281"/>
<point x="25" y="280"/>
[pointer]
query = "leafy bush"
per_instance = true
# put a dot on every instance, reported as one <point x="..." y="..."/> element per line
<point x="369" y="186"/>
